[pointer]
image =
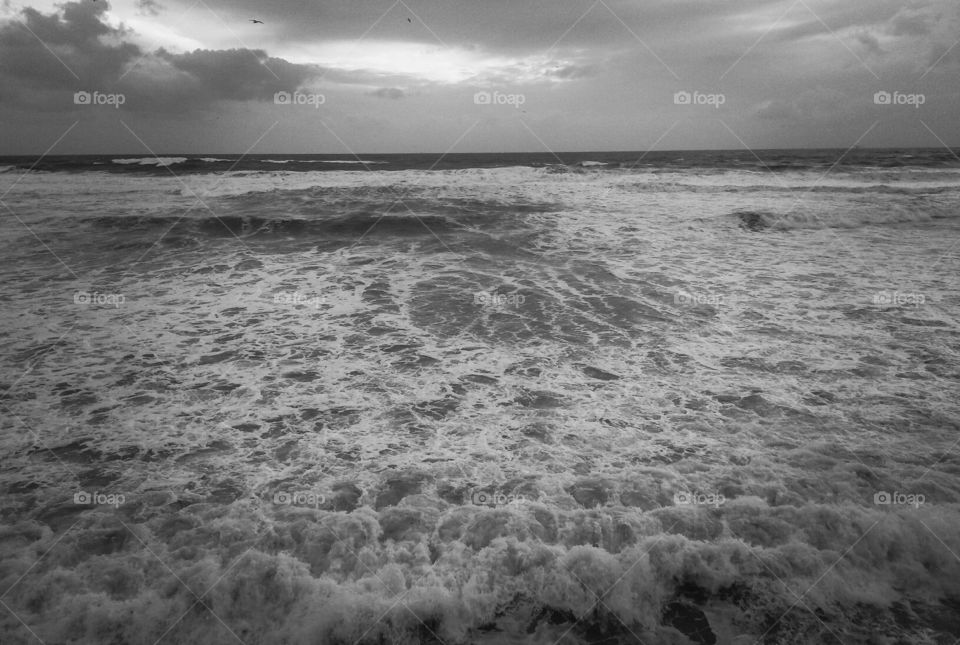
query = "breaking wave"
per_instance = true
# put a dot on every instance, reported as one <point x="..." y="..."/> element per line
<point x="152" y="161"/>
<point x="887" y="215"/>
<point x="425" y="571"/>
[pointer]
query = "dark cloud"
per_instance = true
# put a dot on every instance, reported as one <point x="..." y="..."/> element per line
<point x="869" y="42"/>
<point x="389" y="93"/>
<point x="61" y="50"/>
<point x="68" y="51"/>
<point x="239" y="74"/>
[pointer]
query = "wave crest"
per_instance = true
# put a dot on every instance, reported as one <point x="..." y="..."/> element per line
<point x="762" y="220"/>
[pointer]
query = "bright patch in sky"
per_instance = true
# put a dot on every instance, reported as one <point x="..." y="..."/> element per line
<point x="152" y="34"/>
<point x="421" y="61"/>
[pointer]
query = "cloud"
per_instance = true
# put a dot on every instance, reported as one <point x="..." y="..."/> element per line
<point x="60" y="50"/>
<point x="604" y="71"/>
<point x="941" y="56"/>
<point x="239" y="74"/>
<point x="911" y="21"/>
<point x="75" y="49"/>
<point x="817" y="104"/>
<point x="572" y="72"/>
<point x="777" y="110"/>
<point x="869" y="42"/>
<point x="389" y="93"/>
<point x="149" y="7"/>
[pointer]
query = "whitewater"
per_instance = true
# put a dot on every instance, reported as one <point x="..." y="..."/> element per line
<point x="577" y="402"/>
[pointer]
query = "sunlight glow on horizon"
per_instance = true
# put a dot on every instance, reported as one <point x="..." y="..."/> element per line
<point x="423" y="61"/>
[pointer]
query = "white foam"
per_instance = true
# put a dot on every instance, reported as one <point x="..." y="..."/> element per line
<point x="151" y="161"/>
<point x="780" y="313"/>
<point x="331" y="161"/>
<point x="354" y="161"/>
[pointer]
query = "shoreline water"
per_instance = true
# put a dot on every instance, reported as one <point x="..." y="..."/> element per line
<point x="703" y="404"/>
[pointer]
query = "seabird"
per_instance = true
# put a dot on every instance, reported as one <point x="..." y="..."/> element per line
<point x="256" y="22"/>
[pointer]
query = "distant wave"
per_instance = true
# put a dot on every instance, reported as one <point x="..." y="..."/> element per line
<point x="906" y="188"/>
<point x="164" y="161"/>
<point x="332" y="230"/>
<point x="763" y="220"/>
<point x="356" y="161"/>
<point x="781" y="163"/>
<point x="151" y="161"/>
<point x="315" y="214"/>
<point x="334" y="161"/>
<point x="280" y="181"/>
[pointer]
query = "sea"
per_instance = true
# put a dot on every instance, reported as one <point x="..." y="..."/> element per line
<point x="681" y="397"/>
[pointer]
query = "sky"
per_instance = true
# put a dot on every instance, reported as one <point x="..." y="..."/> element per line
<point x="383" y="76"/>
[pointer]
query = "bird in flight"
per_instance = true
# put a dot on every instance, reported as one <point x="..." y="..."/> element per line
<point x="256" y="22"/>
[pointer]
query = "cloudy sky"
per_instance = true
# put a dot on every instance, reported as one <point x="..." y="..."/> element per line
<point x="339" y="76"/>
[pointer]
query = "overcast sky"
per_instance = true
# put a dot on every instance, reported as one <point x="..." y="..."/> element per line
<point x="197" y="76"/>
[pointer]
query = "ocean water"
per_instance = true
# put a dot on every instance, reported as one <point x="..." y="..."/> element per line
<point x="691" y="397"/>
